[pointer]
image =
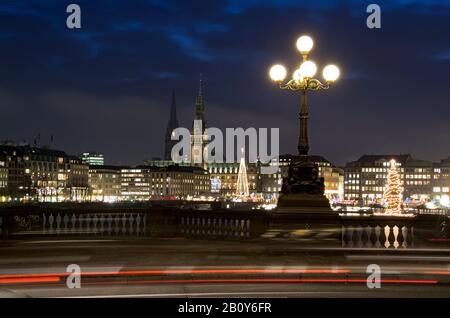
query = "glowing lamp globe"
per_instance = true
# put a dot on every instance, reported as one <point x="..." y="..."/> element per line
<point x="305" y="44"/>
<point x="277" y="73"/>
<point x="308" y="69"/>
<point x="297" y="76"/>
<point x="331" y="73"/>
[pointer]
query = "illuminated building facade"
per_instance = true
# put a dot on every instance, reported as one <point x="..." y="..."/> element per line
<point x="173" y="182"/>
<point x="441" y="181"/>
<point x="224" y="178"/>
<point x="104" y="183"/>
<point x="4" y="196"/>
<point x="180" y="182"/>
<point x="334" y="182"/>
<point x="93" y="158"/>
<point x="48" y="172"/>
<point x="18" y="185"/>
<point x="271" y="184"/>
<point x="365" y="178"/>
<point x="78" y="179"/>
<point x="135" y="184"/>
<point x="418" y="180"/>
<point x="42" y="174"/>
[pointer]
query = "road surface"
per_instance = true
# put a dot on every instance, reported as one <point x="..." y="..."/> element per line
<point x="196" y="268"/>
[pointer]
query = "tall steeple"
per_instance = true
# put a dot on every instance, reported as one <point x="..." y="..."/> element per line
<point x="200" y="105"/>
<point x="171" y="125"/>
<point x="198" y="138"/>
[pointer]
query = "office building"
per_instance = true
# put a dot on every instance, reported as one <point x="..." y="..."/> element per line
<point x="174" y="182"/>
<point x="78" y="179"/>
<point x="93" y="158"/>
<point x="441" y="181"/>
<point x="104" y="183"/>
<point x="135" y="183"/>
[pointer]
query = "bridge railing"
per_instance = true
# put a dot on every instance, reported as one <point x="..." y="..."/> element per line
<point x="142" y="221"/>
<point x="377" y="232"/>
<point x="132" y="224"/>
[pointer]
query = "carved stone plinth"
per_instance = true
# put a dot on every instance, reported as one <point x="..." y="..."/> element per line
<point x="303" y="188"/>
<point x="321" y="228"/>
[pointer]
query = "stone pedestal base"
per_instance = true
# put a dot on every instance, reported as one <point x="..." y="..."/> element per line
<point x="308" y="225"/>
<point x="303" y="212"/>
<point x="304" y="201"/>
<point x="306" y="218"/>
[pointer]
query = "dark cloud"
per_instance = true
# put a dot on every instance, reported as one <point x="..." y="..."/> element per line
<point x="107" y="86"/>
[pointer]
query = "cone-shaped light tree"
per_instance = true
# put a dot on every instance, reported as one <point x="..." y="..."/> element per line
<point x="242" y="189"/>
<point x="393" y="191"/>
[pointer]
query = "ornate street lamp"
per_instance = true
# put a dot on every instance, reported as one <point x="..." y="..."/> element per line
<point x="302" y="80"/>
<point x="303" y="187"/>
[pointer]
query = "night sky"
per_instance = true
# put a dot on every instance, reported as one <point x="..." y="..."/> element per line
<point x="107" y="87"/>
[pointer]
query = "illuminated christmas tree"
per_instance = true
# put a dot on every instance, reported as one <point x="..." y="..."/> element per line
<point x="393" y="191"/>
<point x="242" y="189"/>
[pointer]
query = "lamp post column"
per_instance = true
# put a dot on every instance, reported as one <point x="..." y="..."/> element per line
<point x="303" y="144"/>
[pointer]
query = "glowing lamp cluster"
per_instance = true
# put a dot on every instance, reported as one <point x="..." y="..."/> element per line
<point x="307" y="69"/>
<point x="303" y="81"/>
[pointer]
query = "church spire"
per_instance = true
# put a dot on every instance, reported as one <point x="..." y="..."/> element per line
<point x="200" y="104"/>
<point x="198" y="128"/>
<point x="171" y="125"/>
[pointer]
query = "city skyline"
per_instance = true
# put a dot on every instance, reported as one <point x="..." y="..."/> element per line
<point x="241" y="150"/>
<point x="41" y="142"/>
<point x="103" y="81"/>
